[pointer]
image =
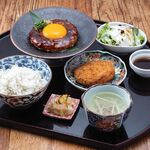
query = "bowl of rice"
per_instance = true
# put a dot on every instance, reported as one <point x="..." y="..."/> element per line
<point x="24" y="79"/>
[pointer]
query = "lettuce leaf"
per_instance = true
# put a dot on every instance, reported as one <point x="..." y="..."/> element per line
<point x="138" y="38"/>
<point x="103" y="31"/>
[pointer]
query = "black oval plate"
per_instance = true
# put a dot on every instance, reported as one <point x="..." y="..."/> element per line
<point x="85" y="25"/>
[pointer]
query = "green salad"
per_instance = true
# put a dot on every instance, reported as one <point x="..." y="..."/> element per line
<point x="120" y="35"/>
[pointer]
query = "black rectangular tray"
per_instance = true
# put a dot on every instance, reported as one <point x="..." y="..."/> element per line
<point x="78" y="130"/>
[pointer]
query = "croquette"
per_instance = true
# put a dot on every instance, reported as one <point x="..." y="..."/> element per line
<point x="95" y="72"/>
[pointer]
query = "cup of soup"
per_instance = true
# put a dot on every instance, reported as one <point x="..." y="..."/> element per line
<point x="106" y="106"/>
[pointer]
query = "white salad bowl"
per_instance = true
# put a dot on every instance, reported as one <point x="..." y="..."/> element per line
<point x="143" y="53"/>
<point x="26" y="100"/>
<point x="121" y="49"/>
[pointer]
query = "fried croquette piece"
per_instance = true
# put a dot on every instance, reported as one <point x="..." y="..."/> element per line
<point x="95" y="72"/>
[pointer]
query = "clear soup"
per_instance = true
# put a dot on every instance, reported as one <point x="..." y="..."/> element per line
<point x="107" y="103"/>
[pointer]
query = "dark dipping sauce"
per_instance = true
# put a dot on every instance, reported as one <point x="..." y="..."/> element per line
<point x="143" y="62"/>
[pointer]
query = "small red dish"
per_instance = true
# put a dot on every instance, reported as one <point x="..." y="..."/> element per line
<point x="53" y="97"/>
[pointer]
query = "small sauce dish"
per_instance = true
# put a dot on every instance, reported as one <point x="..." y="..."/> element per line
<point x="139" y="61"/>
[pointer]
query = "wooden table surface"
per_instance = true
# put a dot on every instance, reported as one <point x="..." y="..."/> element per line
<point x="136" y="12"/>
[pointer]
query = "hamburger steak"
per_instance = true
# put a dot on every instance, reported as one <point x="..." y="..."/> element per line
<point x="37" y="38"/>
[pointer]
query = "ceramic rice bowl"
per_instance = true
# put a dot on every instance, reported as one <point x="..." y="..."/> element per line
<point x="25" y="101"/>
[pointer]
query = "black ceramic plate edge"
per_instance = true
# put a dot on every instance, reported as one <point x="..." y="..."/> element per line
<point x="66" y="137"/>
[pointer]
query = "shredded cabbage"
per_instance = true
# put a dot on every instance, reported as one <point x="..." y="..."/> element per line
<point x="120" y="35"/>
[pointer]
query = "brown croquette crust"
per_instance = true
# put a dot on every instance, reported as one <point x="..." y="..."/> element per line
<point x="95" y="72"/>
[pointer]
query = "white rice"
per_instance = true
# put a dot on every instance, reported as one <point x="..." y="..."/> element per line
<point x="20" y="81"/>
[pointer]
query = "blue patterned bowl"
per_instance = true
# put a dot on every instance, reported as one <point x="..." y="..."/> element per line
<point x="110" y="122"/>
<point x="76" y="61"/>
<point x="25" y="101"/>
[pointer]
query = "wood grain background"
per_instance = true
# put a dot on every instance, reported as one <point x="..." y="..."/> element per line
<point x="136" y="12"/>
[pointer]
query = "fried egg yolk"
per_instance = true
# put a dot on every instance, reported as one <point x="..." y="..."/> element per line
<point x="54" y="31"/>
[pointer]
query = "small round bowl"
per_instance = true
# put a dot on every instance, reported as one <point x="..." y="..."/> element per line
<point x="25" y="101"/>
<point x="106" y="123"/>
<point x="76" y="61"/>
<point x="143" y="53"/>
<point x="122" y="49"/>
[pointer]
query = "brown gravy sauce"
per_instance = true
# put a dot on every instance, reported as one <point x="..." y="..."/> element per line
<point x="143" y="62"/>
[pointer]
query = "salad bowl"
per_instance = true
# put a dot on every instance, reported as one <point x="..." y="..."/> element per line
<point x="122" y="38"/>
